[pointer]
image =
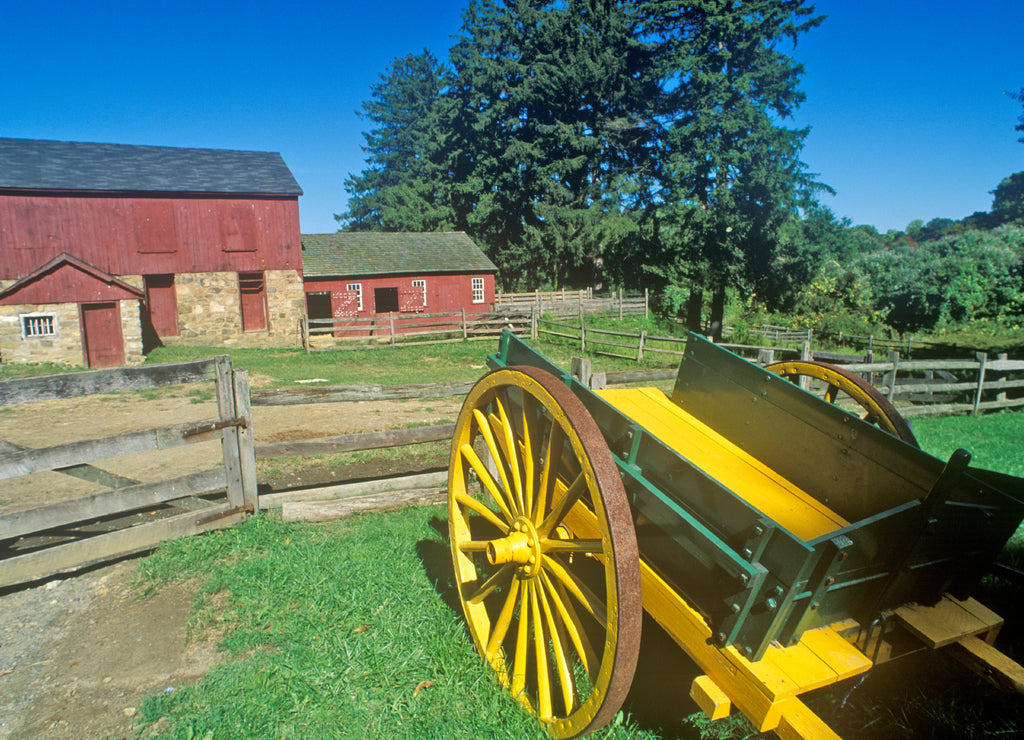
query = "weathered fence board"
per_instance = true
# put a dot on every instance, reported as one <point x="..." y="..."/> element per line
<point x="357" y="442"/>
<point x="83" y="553"/>
<point x="64" y="513"/>
<point x="69" y="385"/>
<point x="25" y="462"/>
<point x="338" y="393"/>
<point x="26" y="531"/>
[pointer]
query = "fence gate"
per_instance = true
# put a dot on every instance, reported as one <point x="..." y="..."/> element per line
<point x="39" y="542"/>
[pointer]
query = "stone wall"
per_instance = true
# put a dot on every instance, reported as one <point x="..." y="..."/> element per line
<point x="63" y="348"/>
<point x="210" y="314"/>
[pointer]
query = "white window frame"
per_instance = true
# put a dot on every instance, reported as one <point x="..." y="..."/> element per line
<point x="31" y="323"/>
<point x="479" y="290"/>
<point x="423" y="285"/>
<point x="358" y="288"/>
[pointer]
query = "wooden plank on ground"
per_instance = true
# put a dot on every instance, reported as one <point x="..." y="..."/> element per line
<point x="359" y="488"/>
<point x="353" y="442"/>
<point x="50" y="561"/>
<point x="319" y="511"/>
<point x="62" y="513"/>
<point x="70" y="385"/>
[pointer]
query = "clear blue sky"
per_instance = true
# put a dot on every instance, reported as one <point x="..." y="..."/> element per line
<point x="904" y="97"/>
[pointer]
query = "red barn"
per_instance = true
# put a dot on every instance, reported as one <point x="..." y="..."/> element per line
<point x="105" y="246"/>
<point x="359" y="274"/>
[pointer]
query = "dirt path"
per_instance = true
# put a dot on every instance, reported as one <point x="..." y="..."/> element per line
<point x="77" y="655"/>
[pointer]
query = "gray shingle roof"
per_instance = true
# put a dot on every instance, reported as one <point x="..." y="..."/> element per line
<point x="374" y="252"/>
<point x="72" y="165"/>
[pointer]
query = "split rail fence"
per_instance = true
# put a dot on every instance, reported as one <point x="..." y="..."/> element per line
<point x="42" y="541"/>
<point x="399" y="329"/>
<point x="575" y="303"/>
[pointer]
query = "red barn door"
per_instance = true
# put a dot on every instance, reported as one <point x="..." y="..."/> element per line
<point x="163" y="304"/>
<point x="101" y="335"/>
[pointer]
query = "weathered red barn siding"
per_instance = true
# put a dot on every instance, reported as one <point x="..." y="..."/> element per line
<point x="133" y="234"/>
<point x="444" y="293"/>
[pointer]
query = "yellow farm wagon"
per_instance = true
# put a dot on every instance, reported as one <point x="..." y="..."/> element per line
<point x="785" y="543"/>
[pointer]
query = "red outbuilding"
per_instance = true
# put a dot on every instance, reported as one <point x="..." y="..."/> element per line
<point x="106" y="246"/>
<point x="367" y="273"/>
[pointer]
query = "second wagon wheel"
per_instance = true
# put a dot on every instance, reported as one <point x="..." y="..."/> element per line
<point x="877" y="408"/>
<point x="544" y="549"/>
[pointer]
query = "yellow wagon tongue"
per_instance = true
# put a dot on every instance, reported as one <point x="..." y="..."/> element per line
<point x="760" y="486"/>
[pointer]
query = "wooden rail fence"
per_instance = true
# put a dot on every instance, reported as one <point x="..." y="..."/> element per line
<point x="575" y="303"/>
<point x="397" y="329"/>
<point x="29" y="548"/>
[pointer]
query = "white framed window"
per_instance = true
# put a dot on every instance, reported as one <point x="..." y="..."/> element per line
<point x="422" y="285"/>
<point x="38" y="325"/>
<point x="357" y="288"/>
<point x="478" y="290"/>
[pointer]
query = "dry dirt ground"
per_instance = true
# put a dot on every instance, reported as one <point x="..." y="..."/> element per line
<point x="77" y="654"/>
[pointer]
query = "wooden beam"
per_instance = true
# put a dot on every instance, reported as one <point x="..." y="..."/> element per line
<point x="347" y="490"/>
<point x="62" y="513"/>
<point x="82" y="553"/>
<point x="318" y="511"/>
<point x="354" y="442"/>
<point x="70" y="385"/>
<point x="89" y="450"/>
<point x="337" y="393"/>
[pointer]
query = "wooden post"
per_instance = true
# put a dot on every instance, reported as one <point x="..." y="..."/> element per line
<point x="620" y="304"/>
<point x="765" y="356"/>
<point x="246" y="447"/>
<point x="982" y="361"/>
<point x="391" y="325"/>
<point x="1001" y="380"/>
<point x="582" y="370"/>
<point x="230" y="442"/>
<point x="534" y="322"/>
<point x="465" y="329"/>
<point x="304" y="330"/>
<point x="640" y="345"/>
<point x="890" y="377"/>
<point x="805" y="352"/>
<point x="583" y="334"/>
<point x="579" y="300"/>
<point x="646" y="304"/>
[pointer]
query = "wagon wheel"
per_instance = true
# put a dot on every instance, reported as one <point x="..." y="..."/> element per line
<point x="877" y="409"/>
<point x="544" y="549"/>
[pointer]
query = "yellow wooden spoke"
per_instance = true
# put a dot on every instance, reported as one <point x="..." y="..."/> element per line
<point x="501" y="624"/>
<point x="571" y="622"/>
<point x="565" y="502"/>
<point x="499" y="578"/>
<point x="540" y="655"/>
<point x="519" y="660"/>
<point x="526" y="451"/>
<point x="579" y="590"/>
<point x="465" y="499"/>
<point x="584" y="547"/>
<point x="549" y="473"/>
<point x="486" y="480"/>
<point x="496" y="452"/>
<point x="501" y="426"/>
<point x="557" y="636"/>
